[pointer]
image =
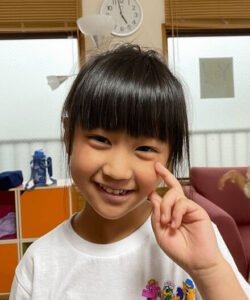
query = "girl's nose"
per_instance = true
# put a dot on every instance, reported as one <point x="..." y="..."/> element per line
<point x="118" y="168"/>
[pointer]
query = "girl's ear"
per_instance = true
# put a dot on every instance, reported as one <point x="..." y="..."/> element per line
<point x="66" y="134"/>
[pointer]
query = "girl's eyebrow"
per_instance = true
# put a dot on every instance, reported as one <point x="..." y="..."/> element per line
<point x="150" y="140"/>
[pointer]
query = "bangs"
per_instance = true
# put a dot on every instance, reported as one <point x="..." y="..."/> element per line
<point x="136" y="112"/>
<point x="121" y="98"/>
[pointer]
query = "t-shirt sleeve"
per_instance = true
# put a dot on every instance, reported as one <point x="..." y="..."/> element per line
<point x="227" y="255"/>
<point x="23" y="280"/>
<point x="18" y="292"/>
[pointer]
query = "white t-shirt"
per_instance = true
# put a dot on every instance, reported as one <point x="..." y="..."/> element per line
<point x="63" y="266"/>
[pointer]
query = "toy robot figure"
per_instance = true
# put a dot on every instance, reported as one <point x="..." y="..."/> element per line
<point x="40" y="166"/>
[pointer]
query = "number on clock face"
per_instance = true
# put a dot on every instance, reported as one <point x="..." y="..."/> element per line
<point x="127" y="15"/>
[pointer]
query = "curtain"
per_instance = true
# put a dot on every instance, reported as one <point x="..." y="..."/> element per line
<point x="35" y="16"/>
<point x="207" y="14"/>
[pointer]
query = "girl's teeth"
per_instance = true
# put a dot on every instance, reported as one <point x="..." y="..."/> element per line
<point x="111" y="191"/>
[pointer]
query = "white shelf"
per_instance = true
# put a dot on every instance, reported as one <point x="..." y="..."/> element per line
<point x="8" y="241"/>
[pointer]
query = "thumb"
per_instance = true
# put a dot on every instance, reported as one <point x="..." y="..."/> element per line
<point x="155" y="199"/>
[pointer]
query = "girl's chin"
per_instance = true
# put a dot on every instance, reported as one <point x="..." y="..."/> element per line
<point x="115" y="213"/>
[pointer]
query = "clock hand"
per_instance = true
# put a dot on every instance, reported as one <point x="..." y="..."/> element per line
<point x="121" y="12"/>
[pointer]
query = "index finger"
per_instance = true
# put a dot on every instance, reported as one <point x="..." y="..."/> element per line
<point x="169" y="179"/>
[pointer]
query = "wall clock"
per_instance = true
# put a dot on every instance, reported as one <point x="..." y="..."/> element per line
<point x="127" y="15"/>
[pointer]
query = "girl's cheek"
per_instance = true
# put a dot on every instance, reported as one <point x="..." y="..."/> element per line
<point x="154" y="179"/>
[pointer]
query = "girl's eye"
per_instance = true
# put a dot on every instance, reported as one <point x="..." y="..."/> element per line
<point x="146" y="149"/>
<point x="100" y="139"/>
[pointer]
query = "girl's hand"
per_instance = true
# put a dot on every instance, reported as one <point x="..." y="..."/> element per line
<point x="182" y="228"/>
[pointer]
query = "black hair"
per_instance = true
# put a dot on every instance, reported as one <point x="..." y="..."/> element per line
<point x="130" y="89"/>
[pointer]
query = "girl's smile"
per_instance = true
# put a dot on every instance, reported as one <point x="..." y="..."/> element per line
<point x="114" y="197"/>
<point x="114" y="191"/>
<point x="114" y="171"/>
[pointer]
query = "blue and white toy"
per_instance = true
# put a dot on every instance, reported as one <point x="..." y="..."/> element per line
<point x="40" y="165"/>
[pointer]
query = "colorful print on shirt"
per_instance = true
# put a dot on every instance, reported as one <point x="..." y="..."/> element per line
<point x="169" y="291"/>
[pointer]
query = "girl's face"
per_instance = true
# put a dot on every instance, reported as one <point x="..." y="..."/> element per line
<point x="114" y="171"/>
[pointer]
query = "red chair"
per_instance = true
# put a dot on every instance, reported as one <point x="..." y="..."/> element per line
<point x="229" y="209"/>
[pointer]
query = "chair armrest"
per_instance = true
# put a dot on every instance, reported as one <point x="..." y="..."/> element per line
<point x="227" y="227"/>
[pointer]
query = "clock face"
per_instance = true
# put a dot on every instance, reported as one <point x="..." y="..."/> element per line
<point x="127" y="15"/>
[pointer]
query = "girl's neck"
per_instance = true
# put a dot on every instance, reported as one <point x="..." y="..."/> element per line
<point x="94" y="228"/>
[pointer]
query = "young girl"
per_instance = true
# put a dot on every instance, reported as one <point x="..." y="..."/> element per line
<point x="126" y="132"/>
